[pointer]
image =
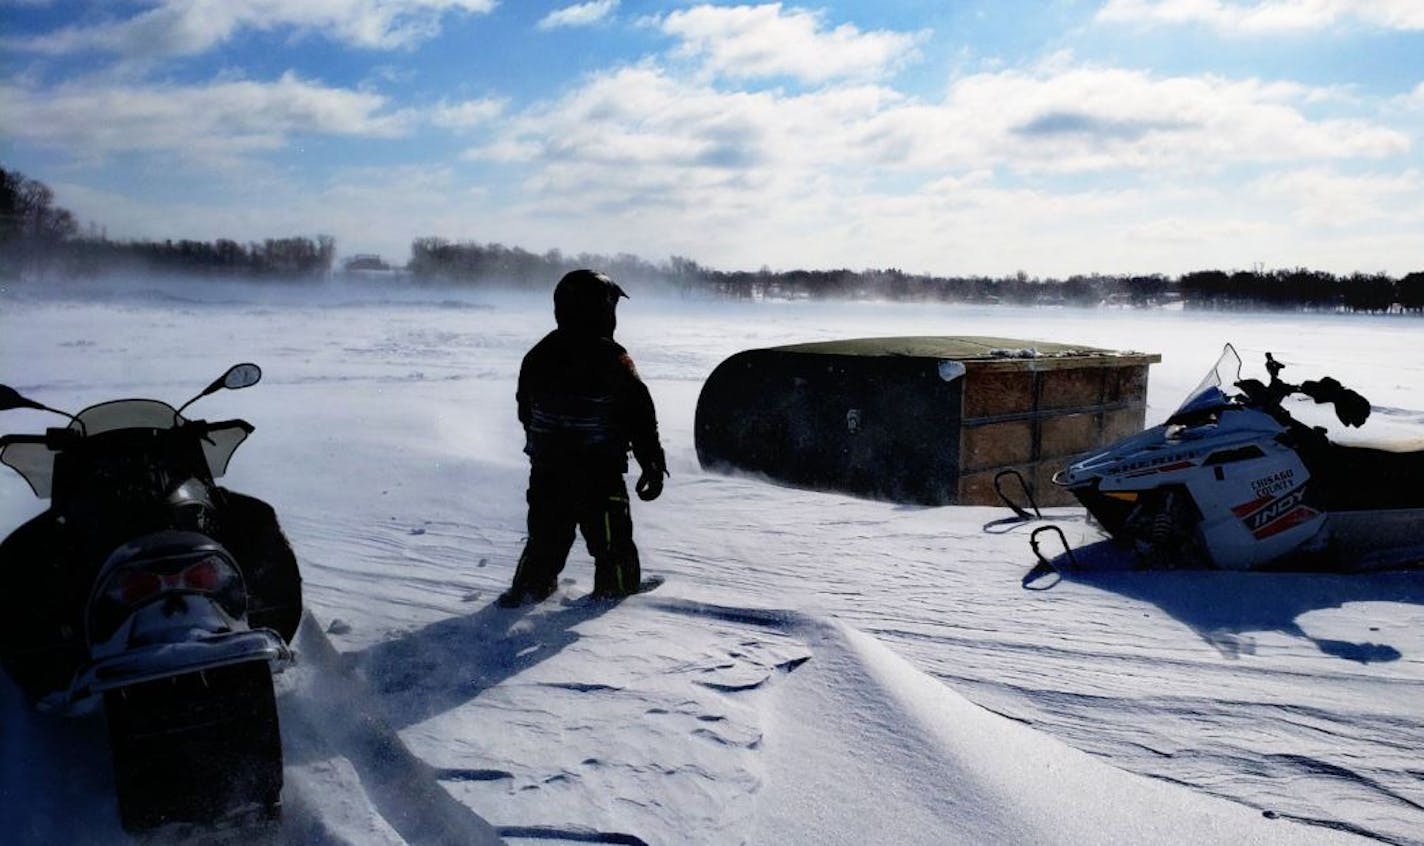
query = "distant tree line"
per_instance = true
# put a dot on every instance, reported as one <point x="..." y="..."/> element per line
<point x="283" y="258"/>
<point x="1303" y="290"/>
<point x="31" y="226"/>
<point x="437" y="260"/>
<point x="39" y="239"/>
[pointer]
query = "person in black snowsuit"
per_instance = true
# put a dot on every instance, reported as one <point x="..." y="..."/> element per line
<point x="583" y="407"/>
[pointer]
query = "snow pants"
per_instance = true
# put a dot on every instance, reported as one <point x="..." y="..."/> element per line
<point x="595" y="502"/>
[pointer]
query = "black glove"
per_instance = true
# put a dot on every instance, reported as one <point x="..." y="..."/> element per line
<point x="1350" y="407"/>
<point x="650" y="483"/>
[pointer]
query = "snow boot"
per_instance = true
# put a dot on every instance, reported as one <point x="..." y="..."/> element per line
<point x="518" y="596"/>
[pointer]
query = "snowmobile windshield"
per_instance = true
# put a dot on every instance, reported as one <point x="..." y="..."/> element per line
<point x="1210" y="392"/>
<point x="36" y="461"/>
<point x="125" y="414"/>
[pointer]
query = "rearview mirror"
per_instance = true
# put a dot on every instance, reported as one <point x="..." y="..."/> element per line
<point x="242" y="376"/>
<point x="11" y="398"/>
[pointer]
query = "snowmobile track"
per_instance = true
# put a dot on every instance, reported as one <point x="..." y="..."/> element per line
<point x="336" y="713"/>
<point x="403" y="789"/>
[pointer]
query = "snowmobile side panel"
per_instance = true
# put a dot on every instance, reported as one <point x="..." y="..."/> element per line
<point x="1255" y="511"/>
<point x="252" y="533"/>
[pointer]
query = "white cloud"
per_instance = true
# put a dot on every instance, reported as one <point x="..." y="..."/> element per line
<point x="651" y="162"/>
<point x="1322" y="197"/>
<point x="579" y="14"/>
<point x="218" y="120"/>
<point x="1414" y="99"/>
<point x="1087" y="118"/>
<point x="744" y="42"/>
<point x="1267" y="16"/>
<point x="189" y="27"/>
<point x="1054" y="118"/>
<point x="640" y="117"/>
<point x="467" y="114"/>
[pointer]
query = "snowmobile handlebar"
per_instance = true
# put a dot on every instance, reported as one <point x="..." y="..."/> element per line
<point x="60" y="438"/>
<point x="203" y="427"/>
<point x="1350" y="407"/>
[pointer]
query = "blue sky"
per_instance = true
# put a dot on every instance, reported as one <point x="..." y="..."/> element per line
<point x="1051" y="137"/>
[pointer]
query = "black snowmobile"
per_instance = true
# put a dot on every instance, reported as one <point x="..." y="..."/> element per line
<point x="171" y="598"/>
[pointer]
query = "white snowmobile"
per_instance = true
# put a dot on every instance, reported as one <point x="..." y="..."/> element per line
<point x="1233" y="481"/>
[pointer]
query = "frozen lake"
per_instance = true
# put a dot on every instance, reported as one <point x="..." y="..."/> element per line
<point x="386" y="439"/>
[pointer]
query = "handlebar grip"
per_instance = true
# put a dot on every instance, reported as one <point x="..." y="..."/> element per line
<point x="55" y="439"/>
<point x="204" y="427"/>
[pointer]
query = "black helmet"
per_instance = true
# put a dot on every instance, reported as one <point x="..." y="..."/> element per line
<point x="585" y="300"/>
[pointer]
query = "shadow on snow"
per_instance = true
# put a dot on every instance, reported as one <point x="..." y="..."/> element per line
<point x="448" y="663"/>
<point x="1221" y="605"/>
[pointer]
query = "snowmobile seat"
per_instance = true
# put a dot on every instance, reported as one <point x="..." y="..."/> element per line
<point x="1362" y="478"/>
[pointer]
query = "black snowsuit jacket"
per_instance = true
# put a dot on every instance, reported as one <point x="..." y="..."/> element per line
<point x="583" y="405"/>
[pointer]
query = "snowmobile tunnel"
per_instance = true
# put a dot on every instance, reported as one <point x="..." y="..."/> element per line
<point x="924" y="420"/>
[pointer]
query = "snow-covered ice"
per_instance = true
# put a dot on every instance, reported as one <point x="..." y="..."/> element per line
<point x="816" y="669"/>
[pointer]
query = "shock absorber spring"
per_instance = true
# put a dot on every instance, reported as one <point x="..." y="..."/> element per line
<point x="1162" y="525"/>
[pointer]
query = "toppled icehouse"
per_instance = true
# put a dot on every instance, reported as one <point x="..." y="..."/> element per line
<point x="928" y="420"/>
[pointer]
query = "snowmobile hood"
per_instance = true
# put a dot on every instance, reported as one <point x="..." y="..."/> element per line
<point x="168" y="543"/>
<point x="1168" y="442"/>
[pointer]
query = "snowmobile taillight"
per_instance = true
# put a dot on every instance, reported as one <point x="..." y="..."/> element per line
<point x="130" y="588"/>
<point x="134" y="586"/>
<point x="208" y="575"/>
<point x="1125" y="496"/>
